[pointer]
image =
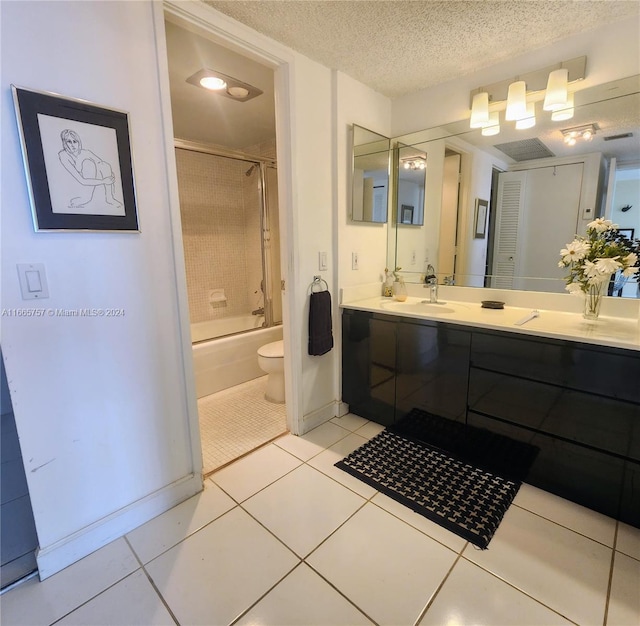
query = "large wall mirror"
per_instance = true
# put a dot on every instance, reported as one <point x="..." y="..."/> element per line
<point x="498" y="209"/>
<point x="370" y="176"/>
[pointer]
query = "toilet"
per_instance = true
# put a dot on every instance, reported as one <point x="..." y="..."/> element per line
<point x="271" y="361"/>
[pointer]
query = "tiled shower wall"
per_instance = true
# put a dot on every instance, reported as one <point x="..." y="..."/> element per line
<point x="220" y="211"/>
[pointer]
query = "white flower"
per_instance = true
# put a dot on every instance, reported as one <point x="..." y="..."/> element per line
<point x="629" y="271"/>
<point x="608" y="266"/>
<point x="575" y="289"/>
<point x="630" y="259"/>
<point x="574" y="251"/>
<point x="601" y="225"/>
<point x="590" y="269"/>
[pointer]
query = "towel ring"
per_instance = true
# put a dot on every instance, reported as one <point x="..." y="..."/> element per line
<point x="317" y="282"/>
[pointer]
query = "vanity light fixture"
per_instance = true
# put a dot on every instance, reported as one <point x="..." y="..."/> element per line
<point x="480" y="110"/>
<point x="548" y="83"/>
<point x="493" y="127"/>
<point x="566" y="113"/>
<point x="516" y="101"/>
<point x="585" y="132"/>
<point x="224" y="85"/>
<point x="556" y="95"/>
<point x="529" y="121"/>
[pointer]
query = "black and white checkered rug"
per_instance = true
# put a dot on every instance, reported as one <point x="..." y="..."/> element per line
<point x="442" y="486"/>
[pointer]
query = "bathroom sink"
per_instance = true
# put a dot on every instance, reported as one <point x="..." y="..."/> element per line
<point x="415" y="305"/>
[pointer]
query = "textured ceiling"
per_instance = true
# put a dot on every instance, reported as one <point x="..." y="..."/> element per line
<point x="397" y="46"/>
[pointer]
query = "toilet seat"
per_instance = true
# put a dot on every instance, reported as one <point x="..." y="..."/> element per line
<point x="273" y="350"/>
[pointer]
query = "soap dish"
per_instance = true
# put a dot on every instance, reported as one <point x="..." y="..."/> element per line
<point x="492" y="304"/>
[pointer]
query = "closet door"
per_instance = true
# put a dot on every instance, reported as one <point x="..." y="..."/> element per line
<point x="509" y="210"/>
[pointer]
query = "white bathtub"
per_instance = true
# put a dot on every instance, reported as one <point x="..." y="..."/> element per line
<point x="227" y="361"/>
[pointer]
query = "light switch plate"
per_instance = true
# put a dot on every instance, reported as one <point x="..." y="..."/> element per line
<point x="33" y="281"/>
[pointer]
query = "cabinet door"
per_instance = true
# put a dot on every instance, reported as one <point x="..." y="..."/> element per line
<point x="432" y="369"/>
<point x="368" y="365"/>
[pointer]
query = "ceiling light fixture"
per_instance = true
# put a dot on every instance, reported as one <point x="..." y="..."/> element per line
<point x="224" y="85"/>
<point x="415" y="163"/>
<point x="585" y="132"/>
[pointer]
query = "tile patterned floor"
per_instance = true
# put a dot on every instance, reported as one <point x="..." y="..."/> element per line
<point x="236" y="421"/>
<point x="281" y="537"/>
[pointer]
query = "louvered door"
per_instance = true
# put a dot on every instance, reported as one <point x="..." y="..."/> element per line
<point x="510" y="203"/>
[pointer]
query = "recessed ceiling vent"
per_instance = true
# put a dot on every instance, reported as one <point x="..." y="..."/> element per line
<point x="614" y="137"/>
<point x="525" y="150"/>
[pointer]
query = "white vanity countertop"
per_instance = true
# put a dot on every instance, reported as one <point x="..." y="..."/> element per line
<point x="618" y="332"/>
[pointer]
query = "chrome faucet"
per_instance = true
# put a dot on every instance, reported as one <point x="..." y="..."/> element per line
<point x="431" y="281"/>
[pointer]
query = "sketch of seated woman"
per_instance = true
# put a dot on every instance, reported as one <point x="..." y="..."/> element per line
<point x="89" y="170"/>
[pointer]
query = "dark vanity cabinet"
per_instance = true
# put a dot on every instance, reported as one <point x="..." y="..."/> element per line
<point x="391" y="365"/>
<point x="578" y="403"/>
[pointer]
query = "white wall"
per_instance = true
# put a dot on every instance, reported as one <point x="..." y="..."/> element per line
<point x="101" y="404"/>
<point x="612" y="51"/>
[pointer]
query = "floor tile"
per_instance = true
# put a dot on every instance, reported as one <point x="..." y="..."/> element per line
<point x="628" y="540"/>
<point x="471" y="595"/>
<point x="254" y="472"/>
<point x="566" y="513"/>
<point x="624" y="603"/>
<point x="562" y="569"/>
<point x="166" y="530"/>
<point x="219" y="572"/>
<point x="301" y="599"/>
<point x="303" y="508"/>
<point x="236" y="420"/>
<point x="387" y="568"/>
<point x="131" y="601"/>
<point x="369" y="430"/>
<point x="350" y="421"/>
<point x="435" y="531"/>
<point x="34" y="602"/>
<point x="313" y="442"/>
<point x="325" y="462"/>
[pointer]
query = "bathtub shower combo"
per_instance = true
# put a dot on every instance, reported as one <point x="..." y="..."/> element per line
<point x="229" y="213"/>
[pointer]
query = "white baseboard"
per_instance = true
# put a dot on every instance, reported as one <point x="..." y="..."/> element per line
<point x="317" y="417"/>
<point x="343" y="409"/>
<point x="51" y="559"/>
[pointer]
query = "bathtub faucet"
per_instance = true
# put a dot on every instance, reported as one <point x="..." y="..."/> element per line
<point x="259" y="311"/>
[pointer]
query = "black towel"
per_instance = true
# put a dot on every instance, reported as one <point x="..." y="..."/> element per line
<point x="320" y="329"/>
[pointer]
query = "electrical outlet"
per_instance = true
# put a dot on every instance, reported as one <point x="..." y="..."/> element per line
<point x="354" y="260"/>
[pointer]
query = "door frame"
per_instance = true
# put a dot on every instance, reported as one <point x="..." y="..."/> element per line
<point x="200" y="18"/>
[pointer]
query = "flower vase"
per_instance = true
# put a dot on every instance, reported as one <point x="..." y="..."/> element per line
<point x="592" y="301"/>
<point x="399" y="291"/>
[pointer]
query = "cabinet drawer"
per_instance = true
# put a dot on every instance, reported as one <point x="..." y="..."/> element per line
<point x="603" y="423"/>
<point x="606" y="371"/>
<point x="592" y="479"/>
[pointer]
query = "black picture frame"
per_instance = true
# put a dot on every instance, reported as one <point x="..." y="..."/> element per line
<point x="78" y="165"/>
<point x="627" y="232"/>
<point x="406" y="214"/>
<point x="480" y="231"/>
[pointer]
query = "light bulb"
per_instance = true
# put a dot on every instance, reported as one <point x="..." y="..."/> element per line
<point x="238" y="92"/>
<point x="407" y="165"/>
<point x="493" y="127"/>
<point x="213" y="82"/>
<point x="587" y="135"/>
<point x="565" y="113"/>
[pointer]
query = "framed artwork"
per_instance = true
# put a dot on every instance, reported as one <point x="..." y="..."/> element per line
<point x="77" y="159"/>
<point x="406" y="214"/>
<point x="481" y="218"/>
<point x="627" y="232"/>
